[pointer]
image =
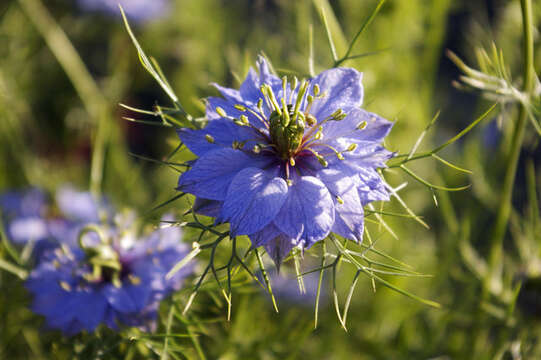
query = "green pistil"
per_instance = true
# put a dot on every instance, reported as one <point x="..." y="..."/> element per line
<point x="286" y="135"/>
<point x="103" y="258"/>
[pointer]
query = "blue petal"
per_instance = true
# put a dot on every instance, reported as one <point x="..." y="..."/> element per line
<point x="368" y="156"/>
<point x="345" y="132"/>
<point x="119" y="299"/>
<point x="26" y="229"/>
<point x="232" y="95"/>
<point x="279" y="247"/>
<point x="94" y="310"/>
<point x="264" y="235"/>
<point x="229" y="107"/>
<point x="23" y="203"/>
<point x="343" y="89"/>
<point x="224" y="132"/>
<point x="207" y="207"/>
<point x="64" y="312"/>
<point x="349" y="216"/>
<point x="371" y="186"/>
<point x="250" y="88"/>
<point x="77" y="205"/>
<point x="211" y="175"/>
<point x="253" y="201"/>
<point x="338" y="177"/>
<point x="140" y="294"/>
<point x="308" y="212"/>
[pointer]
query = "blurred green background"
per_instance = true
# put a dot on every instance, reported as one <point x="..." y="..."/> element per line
<point x="52" y="98"/>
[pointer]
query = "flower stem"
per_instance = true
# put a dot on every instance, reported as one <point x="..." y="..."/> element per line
<point x="500" y="227"/>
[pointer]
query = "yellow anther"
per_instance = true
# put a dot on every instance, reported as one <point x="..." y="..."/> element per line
<point x="64" y="285"/>
<point x="292" y="161"/>
<point x="209" y="138"/>
<point x="340" y="200"/>
<point x="244" y="120"/>
<point x="311" y="120"/>
<point x="294" y="83"/>
<point x="352" y="147"/>
<point x="221" y="112"/>
<point x="135" y="280"/>
<point x="361" y="125"/>
<point x="316" y="89"/>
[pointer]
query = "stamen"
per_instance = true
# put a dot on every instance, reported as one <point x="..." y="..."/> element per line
<point x="267" y="101"/>
<point x="316" y="90"/>
<point x="284" y="86"/>
<point x="286" y="113"/>
<point x="209" y="138"/>
<point x="352" y="147"/>
<point x="272" y="98"/>
<point x="319" y="133"/>
<point x="340" y="200"/>
<point x="240" y="107"/>
<point x="319" y="158"/>
<point x="300" y="96"/>
<point x="260" y="106"/>
<point x="293" y="85"/>
<point x="336" y="152"/>
<point x="238" y="145"/>
<point x="311" y="120"/>
<point x="361" y="125"/>
<point x="256" y="149"/>
<point x="221" y="112"/>
<point x="292" y="161"/>
<point x="261" y="118"/>
<point x="244" y="119"/>
<point x="64" y="285"/>
<point x="338" y="115"/>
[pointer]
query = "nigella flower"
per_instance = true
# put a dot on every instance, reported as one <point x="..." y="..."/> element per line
<point x="22" y="213"/>
<point x="137" y="10"/>
<point x="30" y="218"/>
<point x="287" y="163"/>
<point x="109" y="279"/>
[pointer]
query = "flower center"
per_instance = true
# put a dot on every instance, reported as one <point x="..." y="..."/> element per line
<point x="286" y="131"/>
<point x="103" y="259"/>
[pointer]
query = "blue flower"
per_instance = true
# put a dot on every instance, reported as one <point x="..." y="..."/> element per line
<point x="22" y="213"/>
<point x="287" y="163"/>
<point x="30" y="218"/>
<point x="115" y="279"/>
<point x="137" y="10"/>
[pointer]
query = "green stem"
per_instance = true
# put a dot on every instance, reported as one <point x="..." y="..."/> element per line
<point x="500" y="227"/>
<point x="75" y="69"/>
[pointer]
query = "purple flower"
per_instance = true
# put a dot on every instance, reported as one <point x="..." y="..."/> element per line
<point x="287" y="163"/>
<point x="118" y="279"/>
<point x="29" y="217"/>
<point x="137" y="10"/>
<point x="22" y="213"/>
